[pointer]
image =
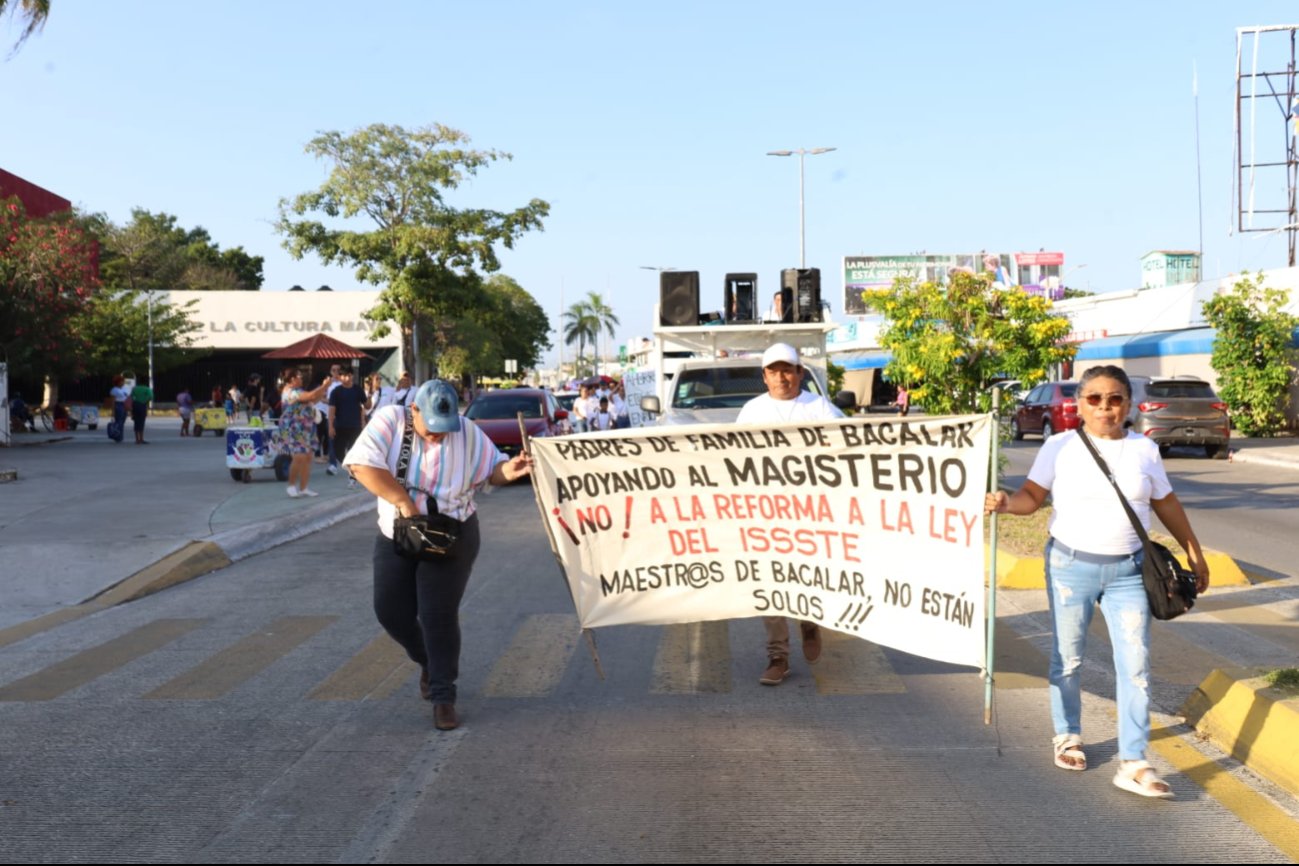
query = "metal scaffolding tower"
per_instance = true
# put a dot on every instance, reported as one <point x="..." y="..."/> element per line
<point x="1256" y="187"/>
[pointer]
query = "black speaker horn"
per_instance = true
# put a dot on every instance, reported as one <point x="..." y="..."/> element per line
<point x="741" y="296"/>
<point x="679" y="298"/>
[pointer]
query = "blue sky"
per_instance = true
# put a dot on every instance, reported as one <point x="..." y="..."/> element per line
<point x="959" y="127"/>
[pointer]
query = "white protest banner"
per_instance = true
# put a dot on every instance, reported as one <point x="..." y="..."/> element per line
<point x="643" y="383"/>
<point x="872" y="528"/>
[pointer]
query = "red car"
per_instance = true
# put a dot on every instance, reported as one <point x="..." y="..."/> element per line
<point x="1049" y="408"/>
<point x="497" y="413"/>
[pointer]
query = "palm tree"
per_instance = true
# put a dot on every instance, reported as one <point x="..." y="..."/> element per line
<point x="580" y="326"/>
<point x="603" y="315"/>
<point x="35" y="11"/>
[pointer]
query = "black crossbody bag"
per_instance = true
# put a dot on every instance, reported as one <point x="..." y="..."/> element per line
<point x="1170" y="587"/>
<point x="426" y="536"/>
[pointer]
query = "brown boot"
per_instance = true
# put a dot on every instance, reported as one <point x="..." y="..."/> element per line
<point x="811" y="642"/>
<point x="777" y="670"/>
<point x="444" y="717"/>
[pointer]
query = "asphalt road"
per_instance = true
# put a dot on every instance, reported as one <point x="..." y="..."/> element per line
<point x="258" y="715"/>
<point x="1248" y="510"/>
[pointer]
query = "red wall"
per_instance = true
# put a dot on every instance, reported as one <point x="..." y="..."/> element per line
<point x="37" y="201"/>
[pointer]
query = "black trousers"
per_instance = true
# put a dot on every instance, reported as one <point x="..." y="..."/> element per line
<point x="418" y="604"/>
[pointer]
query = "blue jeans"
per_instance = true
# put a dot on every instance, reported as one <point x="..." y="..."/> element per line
<point x="1074" y="585"/>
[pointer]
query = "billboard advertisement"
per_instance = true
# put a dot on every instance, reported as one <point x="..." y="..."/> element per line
<point x="1037" y="273"/>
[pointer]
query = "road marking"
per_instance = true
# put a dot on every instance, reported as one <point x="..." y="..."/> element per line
<point x="1251" y="807"/>
<point x="76" y="671"/>
<point x="852" y="666"/>
<point x="693" y="658"/>
<point x="535" y="661"/>
<point x="240" y="662"/>
<point x="374" y="673"/>
<point x="1256" y="619"/>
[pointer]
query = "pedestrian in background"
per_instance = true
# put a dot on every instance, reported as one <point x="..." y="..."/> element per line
<point x="346" y="417"/>
<point x="903" y="401"/>
<point x="1093" y="556"/>
<point x="298" y="428"/>
<point x="141" y="397"/>
<point x="184" y="408"/>
<point x="121" y="394"/>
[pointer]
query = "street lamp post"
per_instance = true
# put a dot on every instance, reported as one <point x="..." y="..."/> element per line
<point x="802" y="152"/>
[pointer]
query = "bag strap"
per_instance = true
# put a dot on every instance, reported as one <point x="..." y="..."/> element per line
<point x="403" y="462"/>
<point x="1100" y="461"/>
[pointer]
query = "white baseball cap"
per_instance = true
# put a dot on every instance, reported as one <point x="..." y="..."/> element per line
<point x="780" y="352"/>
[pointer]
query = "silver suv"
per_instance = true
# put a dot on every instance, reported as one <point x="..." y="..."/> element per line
<point x="1181" y="410"/>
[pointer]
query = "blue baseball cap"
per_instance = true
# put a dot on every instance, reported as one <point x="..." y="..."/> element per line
<point x="439" y="406"/>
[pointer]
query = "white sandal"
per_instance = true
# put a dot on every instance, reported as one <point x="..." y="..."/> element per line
<point x="1068" y="752"/>
<point x="1140" y="778"/>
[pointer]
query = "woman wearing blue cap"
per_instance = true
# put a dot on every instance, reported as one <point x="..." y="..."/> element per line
<point x="450" y="459"/>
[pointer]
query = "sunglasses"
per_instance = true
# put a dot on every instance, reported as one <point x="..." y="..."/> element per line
<point x="1112" y="401"/>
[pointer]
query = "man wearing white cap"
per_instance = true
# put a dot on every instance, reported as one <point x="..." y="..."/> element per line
<point x="785" y="400"/>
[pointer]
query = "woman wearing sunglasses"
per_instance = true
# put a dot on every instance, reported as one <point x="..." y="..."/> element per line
<point x="1093" y="555"/>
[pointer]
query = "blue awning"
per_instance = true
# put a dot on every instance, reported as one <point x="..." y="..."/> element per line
<point x="1198" y="341"/>
<point x="862" y="360"/>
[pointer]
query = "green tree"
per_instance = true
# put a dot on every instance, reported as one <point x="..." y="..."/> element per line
<point x="581" y="325"/>
<point x="426" y="254"/>
<point x="116" y="327"/>
<point x="33" y="11"/>
<point x="46" y="274"/>
<point x="950" y="344"/>
<point x="603" y="315"/>
<point x="1253" y="354"/>
<point x="517" y="319"/>
<point x="153" y="253"/>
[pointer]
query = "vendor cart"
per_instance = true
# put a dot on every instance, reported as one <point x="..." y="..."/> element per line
<point x="209" y="418"/>
<point x="249" y="448"/>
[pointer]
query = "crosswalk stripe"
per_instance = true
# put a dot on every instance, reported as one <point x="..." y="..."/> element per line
<point x="535" y="661"/>
<point x="693" y="658"/>
<point x="374" y="673"/>
<point x="76" y="671"/>
<point x="241" y="661"/>
<point x="852" y="666"/>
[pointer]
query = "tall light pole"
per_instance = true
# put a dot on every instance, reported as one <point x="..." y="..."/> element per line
<point x="802" y="235"/>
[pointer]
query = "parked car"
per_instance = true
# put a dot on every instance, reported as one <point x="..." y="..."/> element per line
<point x="566" y="399"/>
<point x="497" y="413"/>
<point x="1180" y="410"/>
<point x="1049" y="408"/>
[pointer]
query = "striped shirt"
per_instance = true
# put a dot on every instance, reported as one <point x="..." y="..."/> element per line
<point x="452" y="470"/>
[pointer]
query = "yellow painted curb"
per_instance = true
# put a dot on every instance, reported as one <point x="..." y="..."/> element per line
<point x="1029" y="572"/>
<point x="1244" y="719"/>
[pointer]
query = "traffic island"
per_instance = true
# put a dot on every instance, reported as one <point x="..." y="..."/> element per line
<point x="1256" y="724"/>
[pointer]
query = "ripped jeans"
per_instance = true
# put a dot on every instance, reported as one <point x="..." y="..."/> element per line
<point x="1075" y="581"/>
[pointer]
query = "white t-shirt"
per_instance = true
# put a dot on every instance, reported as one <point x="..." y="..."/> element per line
<point x="453" y="470"/>
<point x="586" y="409"/>
<point x="805" y="407"/>
<point x="120" y="393"/>
<point x="1087" y="513"/>
<point x="618" y="406"/>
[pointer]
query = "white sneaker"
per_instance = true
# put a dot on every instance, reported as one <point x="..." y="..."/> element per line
<point x="306" y="491"/>
<point x="332" y="470"/>
<point x="293" y="492"/>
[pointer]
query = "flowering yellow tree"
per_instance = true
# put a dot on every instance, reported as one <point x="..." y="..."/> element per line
<point x="951" y="343"/>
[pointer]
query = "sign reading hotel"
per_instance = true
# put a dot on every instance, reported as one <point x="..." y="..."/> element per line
<point x="871" y="528"/>
<point x="271" y="320"/>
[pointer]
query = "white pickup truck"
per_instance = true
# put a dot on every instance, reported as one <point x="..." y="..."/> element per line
<point x="706" y="374"/>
